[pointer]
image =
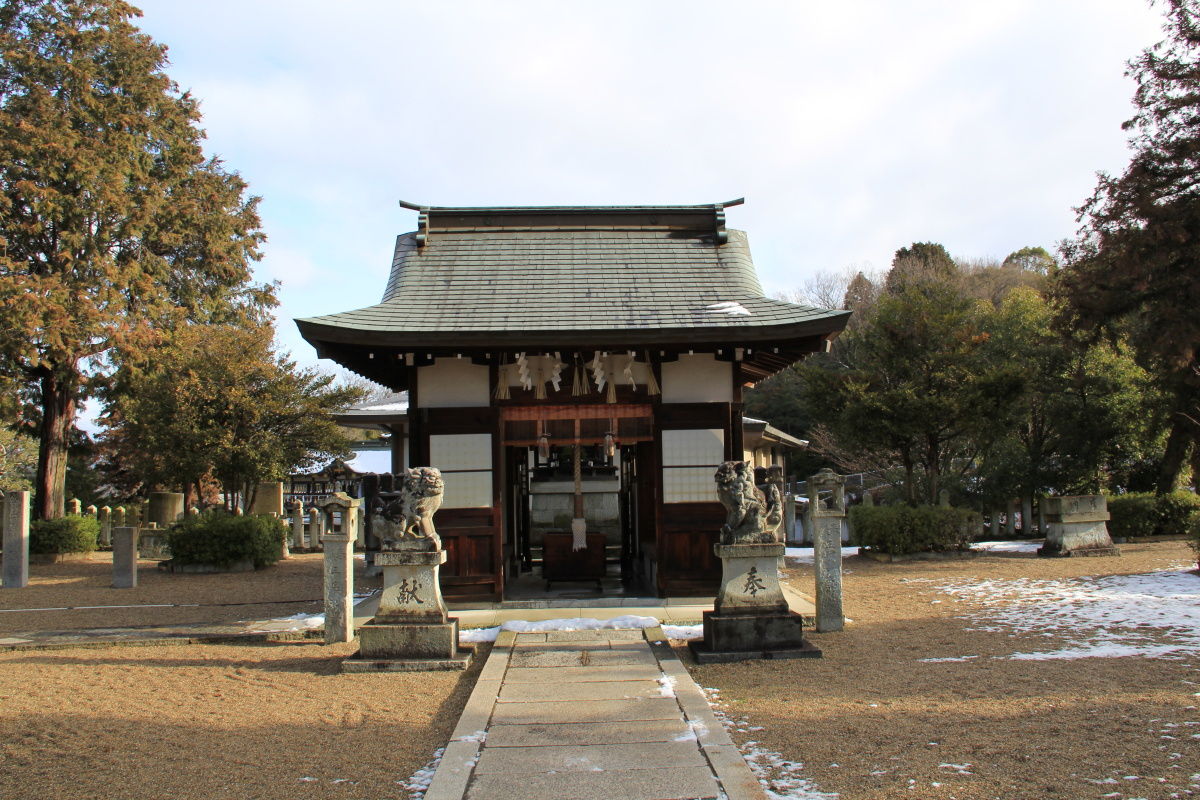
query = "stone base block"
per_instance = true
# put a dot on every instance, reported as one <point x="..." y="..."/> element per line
<point x="358" y="664"/>
<point x="395" y="641"/>
<point x="703" y="656"/>
<point x="1051" y="551"/>
<point x="735" y="637"/>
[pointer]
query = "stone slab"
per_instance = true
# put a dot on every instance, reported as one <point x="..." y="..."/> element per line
<point x="595" y="711"/>
<point x="738" y="782"/>
<point x="619" y="657"/>
<point x="542" y="675"/>
<point x="575" y="733"/>
<point x="678" y="783"/>
<point x="574" y="692"/>
<point x="477" y="712"/>
<point x="563" y="647"/>
<point x="575" y="636"/>
<point x="453" y="772"/>
<point x="644" y="755"/>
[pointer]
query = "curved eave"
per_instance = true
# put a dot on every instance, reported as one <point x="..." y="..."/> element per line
<point x="316" y="333"/>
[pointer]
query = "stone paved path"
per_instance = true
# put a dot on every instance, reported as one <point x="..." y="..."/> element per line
<point x="589" y="715"/>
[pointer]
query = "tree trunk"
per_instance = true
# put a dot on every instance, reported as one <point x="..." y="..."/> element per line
<point x="58" y="418"/>
<point x="1174" y="457"/>
<point x="933" y="470"/>
<point x="1027" y="514"/>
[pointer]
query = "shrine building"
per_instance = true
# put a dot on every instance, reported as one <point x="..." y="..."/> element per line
<point x="594" y="353"/>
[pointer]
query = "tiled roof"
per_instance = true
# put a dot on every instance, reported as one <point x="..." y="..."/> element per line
<point x="571" y="278"/>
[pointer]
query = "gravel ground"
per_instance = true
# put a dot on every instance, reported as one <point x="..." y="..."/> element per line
<point x="213" y="722"/>
<point x="289" y="587"/>
<point x="873" y="720"/>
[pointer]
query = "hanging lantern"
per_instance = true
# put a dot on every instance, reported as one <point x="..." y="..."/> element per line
<point x="544" y="444"/>
<point x="610" y="444"/>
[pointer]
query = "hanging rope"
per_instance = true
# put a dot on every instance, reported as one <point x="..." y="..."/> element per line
<point x="651" y="383"/>
<point x="502" y="392"/>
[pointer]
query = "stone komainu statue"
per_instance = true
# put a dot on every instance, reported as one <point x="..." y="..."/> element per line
<point x="409" y="512"/>
<point x="752" y="513"/>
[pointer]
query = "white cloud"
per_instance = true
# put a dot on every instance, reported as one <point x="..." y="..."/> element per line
<point x="852" y="129"/>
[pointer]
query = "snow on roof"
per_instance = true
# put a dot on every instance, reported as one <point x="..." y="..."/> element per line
<point x="378" y="461"/>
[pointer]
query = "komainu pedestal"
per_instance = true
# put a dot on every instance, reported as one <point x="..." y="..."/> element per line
<point x="750" y="616"/>
<point x="1077" y="526"/>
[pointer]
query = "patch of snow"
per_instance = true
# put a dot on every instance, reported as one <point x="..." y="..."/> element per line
<point x="684" y="632"/>
<point x="805" y="554"/>
<point x="1154" y="614"/>
<point x="418" y="783"/>
<point x="961" y="769"/>
<point x="941" y="660"/>
<point x="781" y="779"/>
<point x="666" y="686"/>
<point x="731" y="307"/>
<point x="1007" y="547"/>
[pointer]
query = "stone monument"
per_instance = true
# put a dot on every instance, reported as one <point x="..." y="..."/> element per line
<point x="14" y="561"/>
<point x="1077" y="526"/>
<point x="411" y="630"/>
<point x="750" y="617"/>
<point x="339" y="567"/>
<point x="825" y="518"/>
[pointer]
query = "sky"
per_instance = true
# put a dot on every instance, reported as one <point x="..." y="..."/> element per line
<point x="852" y="129"/>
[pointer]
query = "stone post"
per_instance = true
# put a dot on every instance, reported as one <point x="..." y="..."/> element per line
<point x="268" y="499"/>
<point x="74" y="507"/>
<point x="125" y="557"/>
<point x="995" y="524"/>
<point x="339" y="567"/>
<point x="118" y="516"/>
<point x="1027" y="515"/>
<point x="90" y="511"/>
<point x="14" y="569"/>
<point x="316" y="527"/>
<point x="297" y="514"/>
<point x="1010" y="520"/>
<point x="164" y="508"/>
<point x="944" y="498"/>
<point x="789" y="519"/>
<point x="825" y="519"/>
<point x="339" y="588"/>
<point x="1077" y="526"/>
<point x="104" y="515"/>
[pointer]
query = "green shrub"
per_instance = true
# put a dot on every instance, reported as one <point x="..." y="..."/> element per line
<point x="1176" y="510"/>
<point x="222" y="539"/>
<point x="904" y="529"/>
<point x="1131" y="515"/>
<point x="63" y="535"/>
<point x="1147" y="514"/>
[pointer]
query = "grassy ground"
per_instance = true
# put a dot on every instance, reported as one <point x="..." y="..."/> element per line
<point x="871" y="720"/>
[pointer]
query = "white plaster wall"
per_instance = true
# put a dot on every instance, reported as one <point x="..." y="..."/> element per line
<point x="689" y="484"/>
<point x="698" y="378"/>
<point x="467" y="489"/>
<point x="451" y="451"/>
<point x="452" y="383"/>
<point x="693" y="448"/>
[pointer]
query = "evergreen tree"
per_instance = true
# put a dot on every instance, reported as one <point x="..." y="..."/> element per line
<point x="115" y="225"/>
<point x="217" y="400"/>
<point x="1136" y="267"/>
